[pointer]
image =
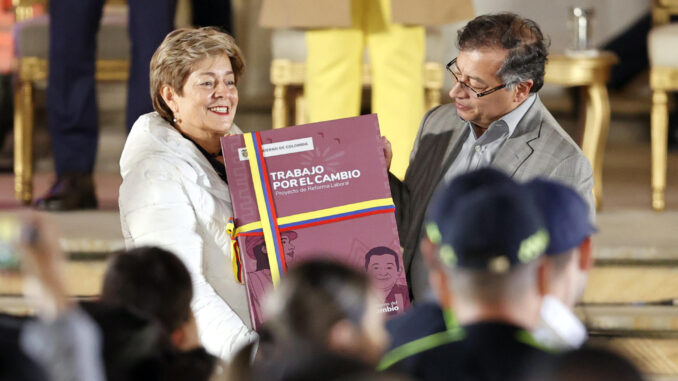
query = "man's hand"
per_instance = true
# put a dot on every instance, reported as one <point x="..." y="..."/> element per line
<point x="388" y="152"/>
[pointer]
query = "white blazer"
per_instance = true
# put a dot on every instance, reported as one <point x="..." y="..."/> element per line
<point x="171" y="197"/>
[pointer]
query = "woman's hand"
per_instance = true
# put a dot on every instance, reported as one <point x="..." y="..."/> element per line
<point x="388" y="152"/>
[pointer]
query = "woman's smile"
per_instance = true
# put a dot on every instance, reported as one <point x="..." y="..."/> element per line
<point x="220" y="110"/>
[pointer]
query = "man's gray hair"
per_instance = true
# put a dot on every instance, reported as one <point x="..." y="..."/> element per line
<point x="485" y="287"/>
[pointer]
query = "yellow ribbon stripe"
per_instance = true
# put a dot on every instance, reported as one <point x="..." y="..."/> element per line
<point x="261" y="205"/>
<point x="318" y="214"/>
<point x="235" y="253"/>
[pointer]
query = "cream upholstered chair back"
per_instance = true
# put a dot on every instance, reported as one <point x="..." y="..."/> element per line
<point x="291" y="43"/>
<point x="288" y="47"/>
<point x="663" y="55"/>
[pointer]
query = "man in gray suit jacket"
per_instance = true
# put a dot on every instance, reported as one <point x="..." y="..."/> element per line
<point x="496" y="120"/>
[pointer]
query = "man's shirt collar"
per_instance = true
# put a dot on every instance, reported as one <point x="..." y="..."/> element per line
<point x="506" y="125"/>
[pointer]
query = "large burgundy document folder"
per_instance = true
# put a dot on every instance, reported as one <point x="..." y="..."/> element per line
<point x="329" y="192"/>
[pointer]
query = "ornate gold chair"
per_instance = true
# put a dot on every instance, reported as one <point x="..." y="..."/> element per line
<point x="31" y="38"/>
<point x="288" y="69"/>
<point x="663" y="54"/>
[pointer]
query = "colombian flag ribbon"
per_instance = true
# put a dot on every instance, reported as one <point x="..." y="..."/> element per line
<point x="270" y="225"/>
<point x="235" y="253"/>
<point x="264" y="196"/>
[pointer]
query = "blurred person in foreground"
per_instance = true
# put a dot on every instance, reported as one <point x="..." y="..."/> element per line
<point x="496" y="120"/>
<point x="62" y="342"/>
<point x="322" y="322"/>
<point x="124" y="336"/>
<point x="174" y="192"/>
<point x="88" y="340"/>
<point x="487" y="246"/>
<point x="564" y="266"/>
<point x="566" y="263"/>
<point x="155" y="283"/>
<point x="433" y="314"/>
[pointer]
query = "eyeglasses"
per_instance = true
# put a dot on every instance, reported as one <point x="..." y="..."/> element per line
<point x="464" y="85"/>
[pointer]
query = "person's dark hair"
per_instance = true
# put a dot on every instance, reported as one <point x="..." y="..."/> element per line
<point x="314" y="296"/>
<point x="307" y="363"/>
<point x="152" y="281"/>
<point x="527" y="47"/>
<point x="381" y="250"/>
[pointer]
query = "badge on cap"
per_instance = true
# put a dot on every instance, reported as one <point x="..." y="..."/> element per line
<point x="533" y="246"/>
<point x="499" y="265"/>
<point x="447" y="255"/>
<point x="433" y="233"/>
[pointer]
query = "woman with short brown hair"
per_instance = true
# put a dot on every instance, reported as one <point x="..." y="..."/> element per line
<point x="174" y="192"/>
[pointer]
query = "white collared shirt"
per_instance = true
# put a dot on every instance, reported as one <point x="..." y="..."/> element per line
<point x="558" y="327"/>
<point x="478" y="152"/>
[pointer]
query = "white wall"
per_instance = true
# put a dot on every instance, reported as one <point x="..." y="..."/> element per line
<point x="611" y="16"/>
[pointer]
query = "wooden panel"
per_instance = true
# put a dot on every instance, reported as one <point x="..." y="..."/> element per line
<point x="83" y="278"/>
<point x="654" y="356"/>
<point x="621" y="284"/>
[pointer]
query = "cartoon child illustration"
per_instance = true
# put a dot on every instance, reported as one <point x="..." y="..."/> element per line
<point x="259" y="279"/>
<point x="383" y="266"/>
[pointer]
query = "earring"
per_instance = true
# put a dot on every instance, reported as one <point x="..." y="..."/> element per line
<point x="174" y="120"/>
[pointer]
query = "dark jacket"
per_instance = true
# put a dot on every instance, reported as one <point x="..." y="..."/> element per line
<point x="487" y="351"/>
<point x="421" y="320"/>
<point x="15" y="365"/>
